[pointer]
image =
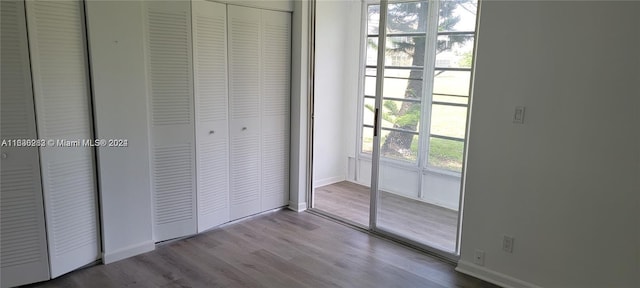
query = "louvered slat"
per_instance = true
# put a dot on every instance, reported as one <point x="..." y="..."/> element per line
<point x="23" y="242"/>
<point x="15" y="75"/>
<point x="275" y="170"/>
<point x="210" y="61"/>
<point x="71" y="207"/>
<point x="245" y="171"/>
<point x="62" y="70"/>
<point x="172" y="167"/>
<point x="275" y="57"/>
<point x="169" y="58"/>
<point x="213" y="180"/>
<point x="244" y="45"/>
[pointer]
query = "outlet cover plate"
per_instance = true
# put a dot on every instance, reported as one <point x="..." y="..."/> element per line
<point x="478" y="257"/>
<point x="518" y="115"/>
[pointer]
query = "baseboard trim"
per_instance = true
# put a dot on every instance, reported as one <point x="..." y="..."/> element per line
<point x="328" y="181"/>
<point x="298" y="207"/>
<point x="127" y="252"/>
<point x="492" y="276"/>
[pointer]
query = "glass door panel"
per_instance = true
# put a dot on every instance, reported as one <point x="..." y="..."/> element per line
<point x="419" y="87"/>
<point x="341" y="180"/>
<point x="400" y="174"/>
<point x="398" y="209"/>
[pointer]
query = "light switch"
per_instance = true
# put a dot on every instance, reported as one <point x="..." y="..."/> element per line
<point x="518" y="115"/>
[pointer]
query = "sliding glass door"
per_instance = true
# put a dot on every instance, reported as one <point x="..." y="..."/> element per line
<point x="416" y="92"/>
<point x="394" y="167"/>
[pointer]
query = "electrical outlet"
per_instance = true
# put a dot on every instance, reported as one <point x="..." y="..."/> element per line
<point x="518" y="115"/>
<point x="478" y="257"/>
<point x="507" y="243"/>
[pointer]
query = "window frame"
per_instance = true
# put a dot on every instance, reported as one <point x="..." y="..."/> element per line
<point x="429" y="69"/>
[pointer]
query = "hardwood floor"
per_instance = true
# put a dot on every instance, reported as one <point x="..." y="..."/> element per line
<point x="278" y="249"/>
<point x="413" y="219"/>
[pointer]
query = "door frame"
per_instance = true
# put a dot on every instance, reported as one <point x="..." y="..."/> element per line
<point x="374" y="195"/>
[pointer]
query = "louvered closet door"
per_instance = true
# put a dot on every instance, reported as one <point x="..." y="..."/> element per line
<point x="61" y="87"/>
<point x="23" y="257"/>
<point x="244" y="96"/>
<point x="276" y="55"/>
<point x="209" y="22"/>
<point x="169" y="70"/>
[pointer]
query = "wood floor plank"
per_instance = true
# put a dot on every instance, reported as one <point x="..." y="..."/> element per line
<point x="413" y="219"/>
<point x="279" y="249"/>
<point x="307" y="276"/>
<point x="220" y="272"/>
<point x="353" y="253"/>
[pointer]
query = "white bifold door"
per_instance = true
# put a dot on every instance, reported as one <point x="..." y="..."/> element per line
<point x="244" y="86"/>
<point x="259" y="94"/>
<point x="219" y="78"/>
<point x="209" y="22"/>
<point x="242" y="112"/>
<point x="23" y="237"/>
<point x="170" y="74"/>
<point x="52" y="181"/>
<point x="61" y="87"/>
<point x="275" y="96"/>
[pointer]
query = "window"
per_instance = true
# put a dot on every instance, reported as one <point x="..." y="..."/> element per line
<point x="427" y="76"/>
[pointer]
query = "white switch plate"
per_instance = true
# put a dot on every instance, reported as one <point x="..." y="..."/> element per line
<point x="518" y="115"/>
<point x="507" y="243"/>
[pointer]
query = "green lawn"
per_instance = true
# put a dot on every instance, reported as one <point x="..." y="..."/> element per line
<point x="443" y="153"/>
<point x="445" y="120"/>
<point x="446" y="154"/>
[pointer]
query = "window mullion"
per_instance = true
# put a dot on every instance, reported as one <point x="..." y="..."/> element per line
<point x="427" y="88"/>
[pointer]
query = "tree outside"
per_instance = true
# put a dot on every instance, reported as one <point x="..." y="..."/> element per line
<point x="404" y="116"/>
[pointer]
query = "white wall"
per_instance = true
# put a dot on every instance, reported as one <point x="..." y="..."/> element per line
<point x="565" y="183"/>
<point x="120" y="104"/>
<point x="441" y="189"/>
<point x="336" y="88"/>
<point x="351" y="66"/>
